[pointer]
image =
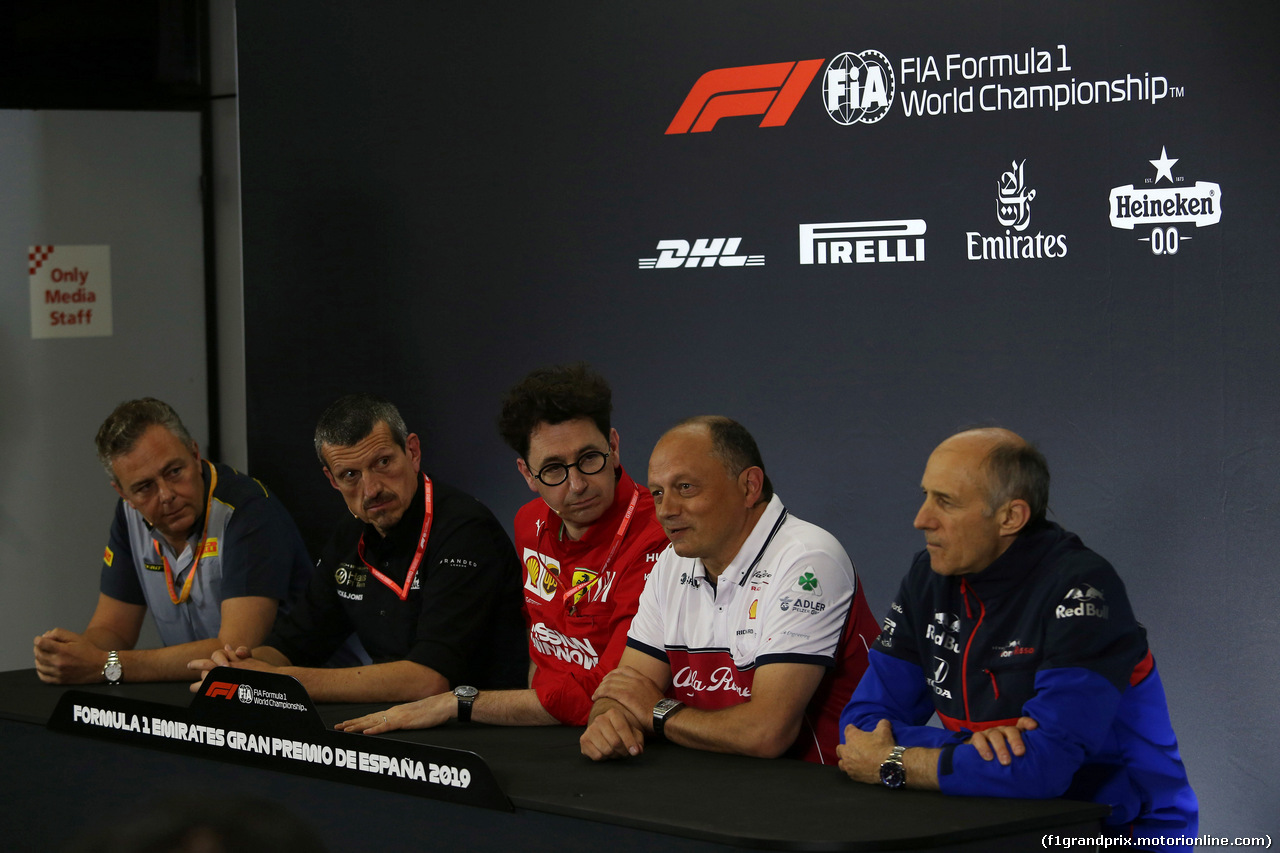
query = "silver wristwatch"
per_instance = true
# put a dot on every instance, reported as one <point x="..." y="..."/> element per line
<point x="664" y="710"/>
<point x="113" y="672"/>
<point x="892" y="773"/>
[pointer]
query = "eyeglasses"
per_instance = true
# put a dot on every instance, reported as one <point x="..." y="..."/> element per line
<point x="591" y="462"/>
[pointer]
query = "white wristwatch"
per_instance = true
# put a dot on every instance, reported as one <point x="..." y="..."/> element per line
<point x="113" y="672"/>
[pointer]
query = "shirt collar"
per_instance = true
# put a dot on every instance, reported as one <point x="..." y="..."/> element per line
<point x="752" y="550"/>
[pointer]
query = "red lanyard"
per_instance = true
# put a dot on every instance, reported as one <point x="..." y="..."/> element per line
<point x="195" y="562"/>
<point x="613" y="551"/>
<point x="403" y="592"/>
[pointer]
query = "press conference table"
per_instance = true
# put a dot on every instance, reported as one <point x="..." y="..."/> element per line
<point x="669" y="798"/>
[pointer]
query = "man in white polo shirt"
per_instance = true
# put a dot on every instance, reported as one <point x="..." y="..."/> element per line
<point x="750" y="628"/>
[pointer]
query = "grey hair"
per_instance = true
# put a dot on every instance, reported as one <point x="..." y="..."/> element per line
<point x="121" y="430"/>
<point x="349" y="419"/>
<point x="1017" y="471"/>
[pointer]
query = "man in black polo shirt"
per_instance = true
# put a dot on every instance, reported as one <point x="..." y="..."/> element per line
<point x="422" y="573"/>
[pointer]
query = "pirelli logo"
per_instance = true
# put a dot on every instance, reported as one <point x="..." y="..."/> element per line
<point x="210" y="548"/>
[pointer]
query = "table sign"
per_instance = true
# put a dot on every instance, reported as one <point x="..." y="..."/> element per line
<point x="267" y="720"/>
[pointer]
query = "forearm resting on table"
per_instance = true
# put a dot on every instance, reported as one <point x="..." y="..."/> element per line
<point x="396" y="681"/>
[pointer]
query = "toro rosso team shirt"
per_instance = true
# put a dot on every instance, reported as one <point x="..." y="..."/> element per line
<point x="1046" y="631"/>
<point x="790" y="595"/>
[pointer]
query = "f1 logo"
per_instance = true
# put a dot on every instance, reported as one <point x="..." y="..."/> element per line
<point x="221" y="689"/>
<point x="772" y="90"/>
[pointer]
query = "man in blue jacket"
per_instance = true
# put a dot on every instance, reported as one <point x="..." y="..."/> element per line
<point x="1024" y="643"/>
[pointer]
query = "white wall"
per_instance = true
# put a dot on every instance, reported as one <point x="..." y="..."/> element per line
<point x="130" y="181"/>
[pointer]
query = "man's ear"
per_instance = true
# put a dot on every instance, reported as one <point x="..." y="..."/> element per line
<point x="529" y="479"/>
<point x="1014" y="517"/>
<point x="329" y="476"/>
<point x="414" y="448"/>
<point x="752" y="482"/>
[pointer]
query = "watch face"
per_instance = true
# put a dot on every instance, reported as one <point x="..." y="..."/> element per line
<point x="466" y="692"/>
<point x="892" y="774"/>
<point x="112" y="672"/>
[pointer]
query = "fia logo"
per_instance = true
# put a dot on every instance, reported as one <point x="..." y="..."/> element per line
<point x="858" y="87"/>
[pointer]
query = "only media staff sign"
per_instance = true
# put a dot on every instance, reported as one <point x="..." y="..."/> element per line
<point x="70" y="291"/>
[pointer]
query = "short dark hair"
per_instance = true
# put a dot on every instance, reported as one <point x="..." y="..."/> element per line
<point x="349" y="419"/>
<point x="1017" y="470"/>
<point x="733" y="446"/>
<point x="553" y="395"/>
<point x="126" y="424"/>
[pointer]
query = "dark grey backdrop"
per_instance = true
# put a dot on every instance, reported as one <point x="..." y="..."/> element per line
<point x="438" y="199"/>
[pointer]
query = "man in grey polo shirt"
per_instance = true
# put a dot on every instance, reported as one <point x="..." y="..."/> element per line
<point x="209" y="551"/>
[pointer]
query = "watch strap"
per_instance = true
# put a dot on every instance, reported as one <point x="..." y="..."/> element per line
<point x="664" y="710"/>
<point x="466" y="697"/>
<point x="111" y="670"/>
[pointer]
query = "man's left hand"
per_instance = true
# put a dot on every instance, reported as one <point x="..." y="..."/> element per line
<point x="65" y="657"/>
<point x="1003" y="742"/>
<point x="632" y="690"/>
<point x="862" y="753"/>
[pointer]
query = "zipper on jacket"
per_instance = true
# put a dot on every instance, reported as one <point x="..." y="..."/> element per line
<point x="965" y="592"/>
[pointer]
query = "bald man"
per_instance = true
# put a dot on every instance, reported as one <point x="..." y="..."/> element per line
<point x="1024" y="643"/>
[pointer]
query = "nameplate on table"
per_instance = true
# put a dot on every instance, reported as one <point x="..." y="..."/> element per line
<point x="268" y="720"/>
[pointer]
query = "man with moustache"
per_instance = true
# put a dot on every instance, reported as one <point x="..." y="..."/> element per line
<point x="208" y="551"/>
<point x="588" y="541"/>
<point x="422" y="573"/>
<point x="753" y="620"/>
<point x="1024" y="643"/>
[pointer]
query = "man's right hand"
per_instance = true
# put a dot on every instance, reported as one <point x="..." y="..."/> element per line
<point x="613" y="733"/>
<point x="226" y="656"/>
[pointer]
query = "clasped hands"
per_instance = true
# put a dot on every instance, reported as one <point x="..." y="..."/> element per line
<point x="240" y="658"/>
<point x="618" y="727"/>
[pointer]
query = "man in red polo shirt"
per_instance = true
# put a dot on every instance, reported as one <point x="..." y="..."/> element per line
<point x="587" y="542"/>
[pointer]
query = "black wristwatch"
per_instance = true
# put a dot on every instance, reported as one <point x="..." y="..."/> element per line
<point x="892" y="773"/>
<point x="664" y="710"/>
<point x="466" y="696"/>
